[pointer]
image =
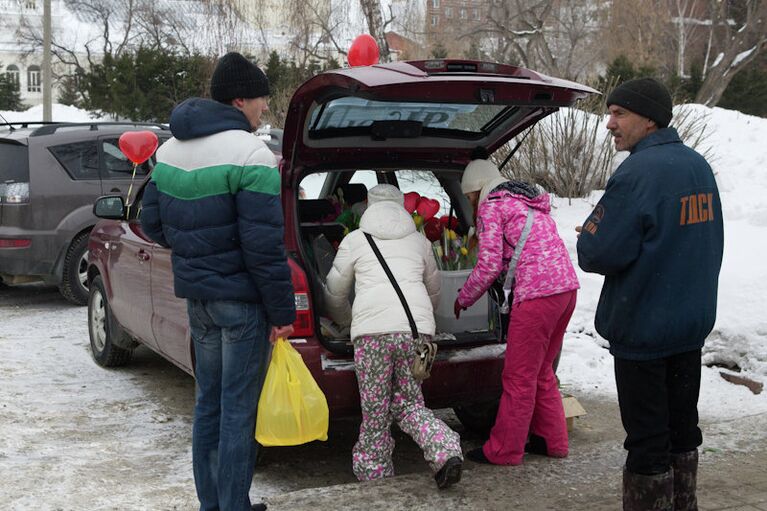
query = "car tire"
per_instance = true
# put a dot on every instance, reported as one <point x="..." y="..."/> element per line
<point x="478" y="418"/>
<point x="104" y="332"/>
<point x="74" y="283"/>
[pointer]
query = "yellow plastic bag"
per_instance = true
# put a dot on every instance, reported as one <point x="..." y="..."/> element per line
<point x="292" y="410"/>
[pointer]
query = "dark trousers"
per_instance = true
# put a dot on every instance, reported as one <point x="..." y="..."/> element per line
<point x="658" y="401"/>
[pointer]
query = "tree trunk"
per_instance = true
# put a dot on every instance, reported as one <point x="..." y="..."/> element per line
<point x="740" y="45"/>
<point x="374" y="16"/>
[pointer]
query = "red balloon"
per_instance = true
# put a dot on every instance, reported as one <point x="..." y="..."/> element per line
<point x="427" y="208"/>
<point x="363" y="51"/>
<point x="138" y="146"/>
<point x="432" y="229"/>
<point x="411" y="201"/>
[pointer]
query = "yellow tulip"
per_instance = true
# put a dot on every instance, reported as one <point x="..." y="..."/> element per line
<point x="464" y="252"/>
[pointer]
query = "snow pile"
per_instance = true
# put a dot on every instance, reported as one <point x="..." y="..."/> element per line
<point x="61" y="113"/>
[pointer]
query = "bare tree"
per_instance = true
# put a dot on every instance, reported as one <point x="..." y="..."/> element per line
<point x="640" y="31"/>
<point x="552" y="36"/>
<point x="685" y="25"/>
<point x="374" y="15"/>
<point x="738" y="33"/>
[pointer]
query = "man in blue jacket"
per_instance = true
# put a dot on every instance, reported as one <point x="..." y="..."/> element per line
<point x="214" y="200"/>
<point x="657" y="237"/>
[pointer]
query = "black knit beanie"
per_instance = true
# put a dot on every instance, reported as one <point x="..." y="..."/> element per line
<point x="237" y="77"/>
<point x="646" y="97"/>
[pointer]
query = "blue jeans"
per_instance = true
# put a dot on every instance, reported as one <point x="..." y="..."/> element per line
<point x="231" y="349"/>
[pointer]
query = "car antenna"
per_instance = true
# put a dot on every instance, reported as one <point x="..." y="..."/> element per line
<point x="514" y="150"/>
<point x="10" y="126"/>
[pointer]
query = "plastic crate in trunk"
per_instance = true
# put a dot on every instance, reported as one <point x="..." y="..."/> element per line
<point x="473" y="319"/>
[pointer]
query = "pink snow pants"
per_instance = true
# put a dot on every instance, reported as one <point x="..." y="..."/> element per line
<point x="531" y="402"/>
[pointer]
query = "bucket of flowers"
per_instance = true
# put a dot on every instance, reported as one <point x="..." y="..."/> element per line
<point x="455" y="255"/>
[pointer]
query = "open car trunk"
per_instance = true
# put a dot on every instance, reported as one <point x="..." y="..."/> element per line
<point x="424" y="116"/>
<point x="321" y="228"/>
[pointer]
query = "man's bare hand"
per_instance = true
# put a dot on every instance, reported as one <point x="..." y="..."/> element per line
<point x="280" y="332"/>
<point x="578" y="229"/>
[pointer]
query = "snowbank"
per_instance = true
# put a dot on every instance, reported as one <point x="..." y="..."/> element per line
<point x="63" y="113"/>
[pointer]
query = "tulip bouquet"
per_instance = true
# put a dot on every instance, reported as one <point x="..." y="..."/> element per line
<point x="451" y="251"/>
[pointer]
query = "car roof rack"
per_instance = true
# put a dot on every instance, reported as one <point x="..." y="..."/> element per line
<point x="50" y="127"/>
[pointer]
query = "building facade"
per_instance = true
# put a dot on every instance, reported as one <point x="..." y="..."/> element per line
<point x="20" y="61"/>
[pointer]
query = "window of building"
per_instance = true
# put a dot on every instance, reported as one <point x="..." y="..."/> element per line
<point x="12" y="74"/>
<point x="435" y="4"/>
<point x="476" y="14"/>
<point x="30" y="4"/>
<point x="434" y="21"/>
<point x="448" y="12"/>
<point x="33" y="79"/>
<point x="463" y="14"/>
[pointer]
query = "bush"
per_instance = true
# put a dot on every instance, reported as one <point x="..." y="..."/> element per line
<point x="570" y="153"/>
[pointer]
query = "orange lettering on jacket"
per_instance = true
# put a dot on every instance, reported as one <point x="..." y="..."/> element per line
<point x="683" y="217"/>
<point x="696" y="208"/>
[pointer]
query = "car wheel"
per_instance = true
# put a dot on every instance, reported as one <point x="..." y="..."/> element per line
<point x="74" y="281"/>
<point x="104" y="333"/>
<point x="478" y="417"/>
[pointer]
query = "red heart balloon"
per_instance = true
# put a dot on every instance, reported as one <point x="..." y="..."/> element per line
<point x="363" y="51"/>
<point x="432" y="229"/>
<point x="138" y="146"/>
<point x="411" y="201"/>
<point x="427" y="208"/>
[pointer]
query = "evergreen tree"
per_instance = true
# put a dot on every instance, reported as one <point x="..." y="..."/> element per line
<point x="68" y="91"/>
<point x="439" y="51"/>
<point x="10" y="97"/>
<point x="746" y="92"/>
<point x="145" y="85"/>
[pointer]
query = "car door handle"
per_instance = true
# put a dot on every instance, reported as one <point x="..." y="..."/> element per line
<point x="143" y="255"/>
<point x="114" y="190"/>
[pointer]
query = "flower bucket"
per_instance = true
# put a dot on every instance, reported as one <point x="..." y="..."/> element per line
<point x="473" y="319"/>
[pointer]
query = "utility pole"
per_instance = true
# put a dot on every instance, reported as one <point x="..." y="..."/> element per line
<point x="47" y="92"/>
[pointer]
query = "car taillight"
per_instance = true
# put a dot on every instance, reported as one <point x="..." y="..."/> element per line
<point x="304" y="324"/>
<point x="14" y="193"/>
<point x="14" y="243"/>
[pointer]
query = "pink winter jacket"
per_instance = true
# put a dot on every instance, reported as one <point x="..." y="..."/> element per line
<point x="544" y="267"/>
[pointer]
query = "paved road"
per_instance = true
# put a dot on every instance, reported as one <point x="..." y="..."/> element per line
<point x="76" y="437"/>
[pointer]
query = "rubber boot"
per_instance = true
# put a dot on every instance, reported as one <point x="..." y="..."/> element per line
<point x="685" y="466"/>
<point x="648" y="492"/>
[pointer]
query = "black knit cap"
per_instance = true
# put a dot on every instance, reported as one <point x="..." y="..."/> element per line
<point x="646" y="97"/>
<point x="237" y="77"/>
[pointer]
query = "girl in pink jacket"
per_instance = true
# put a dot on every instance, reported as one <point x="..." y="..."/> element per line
<point x="530" y="415"/>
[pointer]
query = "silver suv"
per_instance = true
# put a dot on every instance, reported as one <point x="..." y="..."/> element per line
<point x="50" y="175"/>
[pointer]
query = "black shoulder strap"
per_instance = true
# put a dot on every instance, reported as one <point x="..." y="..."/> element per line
<point x="393" y="281"/>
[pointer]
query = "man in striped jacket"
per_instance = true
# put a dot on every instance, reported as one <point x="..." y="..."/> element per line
<point x="214" y="200"/>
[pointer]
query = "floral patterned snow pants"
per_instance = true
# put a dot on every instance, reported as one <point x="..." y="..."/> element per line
<point x="388" y="392"/>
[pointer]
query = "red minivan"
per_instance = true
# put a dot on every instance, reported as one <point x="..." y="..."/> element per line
<point x="410" y="124"/>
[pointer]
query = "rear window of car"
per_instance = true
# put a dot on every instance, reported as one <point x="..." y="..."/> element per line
<point x="353" y="112"/>
<point x="80" y="159"/>
<point x="14" y="163"/>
